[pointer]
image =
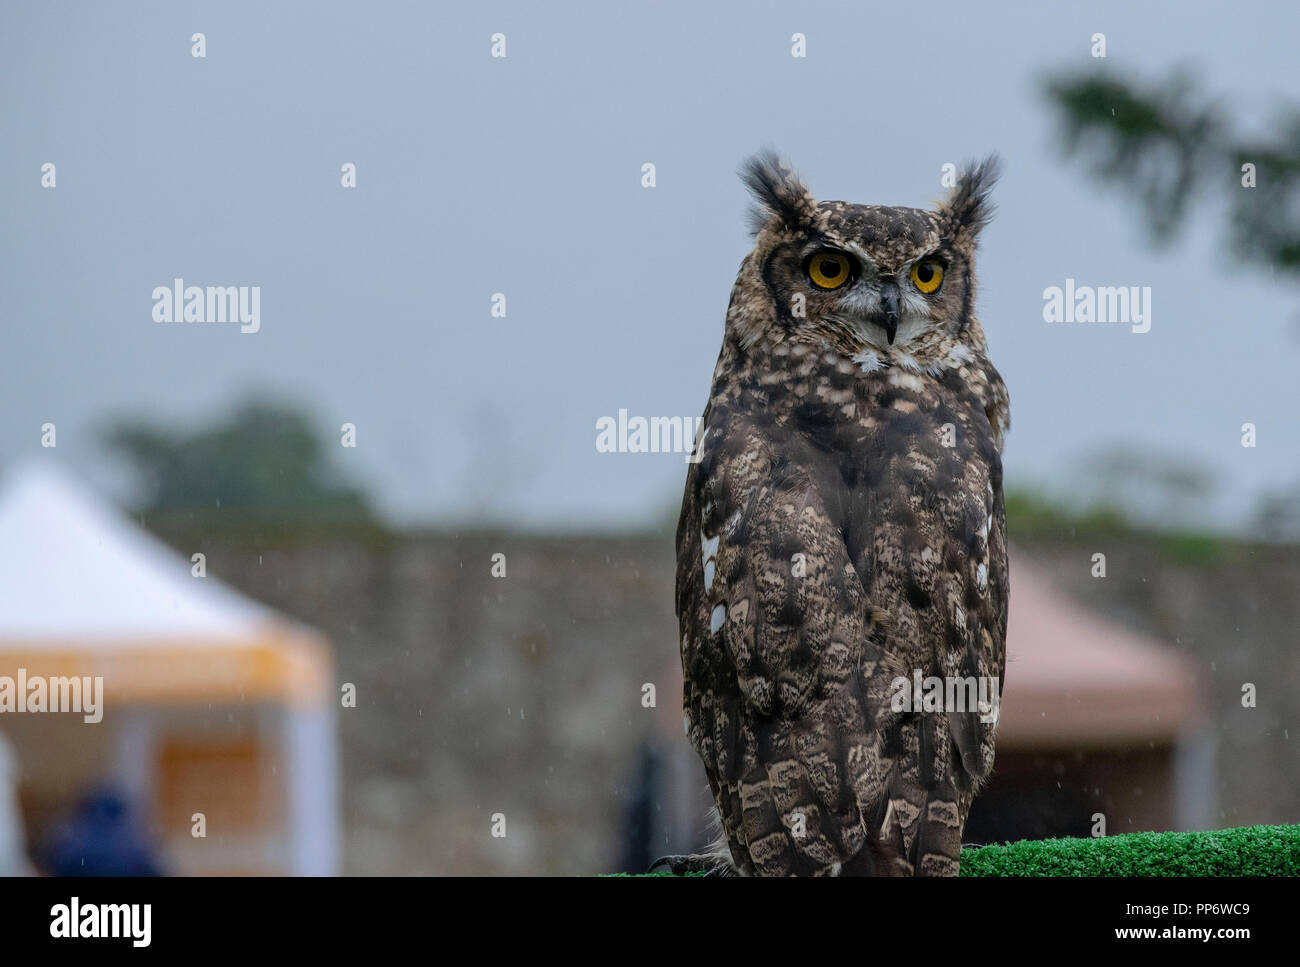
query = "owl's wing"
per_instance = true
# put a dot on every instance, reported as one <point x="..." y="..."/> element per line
<point x="983" y="583"/>
<point x="785" y="673"/>
<point x="938" y="566"/>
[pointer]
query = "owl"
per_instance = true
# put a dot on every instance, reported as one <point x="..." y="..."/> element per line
<point x="842" y="540"/>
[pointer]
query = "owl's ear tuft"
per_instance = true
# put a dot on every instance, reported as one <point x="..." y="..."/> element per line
<point x="780" y="193"/>
<point x="969" y="208"/>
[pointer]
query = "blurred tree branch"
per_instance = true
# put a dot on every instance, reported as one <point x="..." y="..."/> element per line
<point x="265" y="464"/>
<point x="1166" y="142"/>
<point x="1168" y="145"/>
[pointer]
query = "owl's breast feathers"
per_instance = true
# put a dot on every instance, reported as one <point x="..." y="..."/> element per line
<point x="840" y="531"/>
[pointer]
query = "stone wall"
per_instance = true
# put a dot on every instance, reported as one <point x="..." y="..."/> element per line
<point x="522" y="695"/>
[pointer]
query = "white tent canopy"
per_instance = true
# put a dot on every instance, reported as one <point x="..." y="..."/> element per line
<point x="85" y="593"/>
<point x="84" y="590"/>
<point x="71" y="567"/>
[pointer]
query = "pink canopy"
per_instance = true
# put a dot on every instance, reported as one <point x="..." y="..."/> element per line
<point x="1077" y="678"/>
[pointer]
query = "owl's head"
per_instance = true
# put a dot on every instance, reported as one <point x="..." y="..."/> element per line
<point x="865" y="279"/>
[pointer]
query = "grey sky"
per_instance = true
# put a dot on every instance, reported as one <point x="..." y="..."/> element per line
<point x="523" y="176"/>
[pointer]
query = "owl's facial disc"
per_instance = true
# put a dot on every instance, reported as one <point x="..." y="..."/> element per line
<point x="853" y="293"/>
<point x="879" y="305"/>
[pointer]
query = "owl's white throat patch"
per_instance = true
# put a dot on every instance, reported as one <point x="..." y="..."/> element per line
<point x="931" y="354"/>
<point x="868" y="361"/>
<point x="911" y="328"/>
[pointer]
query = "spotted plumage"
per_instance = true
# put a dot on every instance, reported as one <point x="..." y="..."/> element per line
<point x="842" y="529"/>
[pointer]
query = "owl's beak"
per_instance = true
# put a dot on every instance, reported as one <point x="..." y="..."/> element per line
<point x="889" y="309"/>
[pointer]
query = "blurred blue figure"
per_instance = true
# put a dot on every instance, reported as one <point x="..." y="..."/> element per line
<point x="101" y="839"/>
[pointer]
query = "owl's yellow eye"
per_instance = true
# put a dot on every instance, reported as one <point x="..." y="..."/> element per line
<point x="829" y="270"/>
<point x="927" y="275"/>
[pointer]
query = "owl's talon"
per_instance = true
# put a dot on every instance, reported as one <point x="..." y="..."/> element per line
<point x="689" y="863"/>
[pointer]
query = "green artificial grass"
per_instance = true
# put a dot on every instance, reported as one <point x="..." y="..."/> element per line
<point x="1248" y="851"/>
